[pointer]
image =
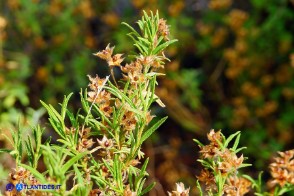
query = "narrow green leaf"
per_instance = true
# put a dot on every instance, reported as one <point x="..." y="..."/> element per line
<point x="72" y="161"/>
<point x="134" y="171"/>
<point x="136" y="111"/>
<point x="64" y="105"/>
<point x="144" y="40"/>
<point x="230" y="138"/>
<point x="52" y="159"/>
<point x="98" y="124"/>
<point x="159" y="40"/>
<point x="56" y="126"/>
<point x="8" y="138"/>
<point x="260" y="178"/>
<point x="72" y="118"/>
<point x="239" y="149"/>
<point x="29" y="150"/>
<point x="113" y="89"/>
<point x="148" y="133"/>
<point x="100" y="181"/>
<point x="132" y="29"/>
<point x="141" y="26"/>
<point x="67" y="143"/>
<point x="153" y="24"/>
<point x="62" y="150"/>
<point x="163" y="46"/>
<point x="140" y="185"/>
<point x="205" y="163"/>
<point x="5" y="150"/>
<point x="144" y="166"/>
<point x="148" y="25"/>
<point x="38" y="138"/>
<point x="78" y="174"/>
<point x="50" y="112"/>
<point x="157" y="15"/>
<point x="48" y="140"/>
<point x="148" y="188"/>
<point x="36" y="174"/>
<point x="19" y="142"/>
<point x="132" y="37"/>
<point x="143" y="46"/>
<point x="130" y="178"/>
<point x="244" y="165"/>
<point x="30" y="144"/>
<point x="198" y="142"/>
<point x="13" y="153"/>
<point x="141" y="49"/>
<point x="236" y="143"/>
<point x="54" y="112"/>
<point x="35" y="132"/>
<point x="55" y="119"/>
<point x="199" y="188"/>
<point x="85" y="103"/>
<point x="254" y="183"/>
<point x="117" y="167"/>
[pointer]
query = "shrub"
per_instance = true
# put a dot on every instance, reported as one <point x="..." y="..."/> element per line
<point x="100" y="149"/>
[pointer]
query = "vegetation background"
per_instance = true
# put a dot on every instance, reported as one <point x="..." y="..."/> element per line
<point x="232" y="69"/>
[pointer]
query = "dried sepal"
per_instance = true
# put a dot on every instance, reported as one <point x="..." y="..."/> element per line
<point x="237" y="186"/>
<point x="85" y="144"/>
<point x="180" y="190"/>
<point x="106" y="53"/>
<point x="207" y="178"/>
<point x="115" y="60"/>
<point x="282" y="169"/>
<point x="163" y="29"/>
<point x="129" y="121"/>
<point x="105" y="143"/>
<point x="128" y="192"/>
<point x="96" y="83"/>
<point x="132" y="67"/>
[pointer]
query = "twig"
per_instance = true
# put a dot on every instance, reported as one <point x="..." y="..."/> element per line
<point x="96" y="96"/>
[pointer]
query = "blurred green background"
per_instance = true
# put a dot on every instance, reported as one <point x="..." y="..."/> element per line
<point x="232" y="69"/>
